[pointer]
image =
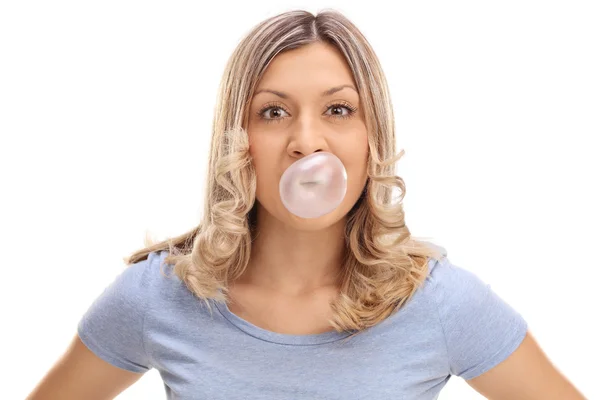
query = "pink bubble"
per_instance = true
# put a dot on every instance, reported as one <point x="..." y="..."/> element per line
<point x="314" y="185"/>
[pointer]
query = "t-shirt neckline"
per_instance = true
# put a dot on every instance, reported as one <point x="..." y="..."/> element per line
<point x="275" y="337"/>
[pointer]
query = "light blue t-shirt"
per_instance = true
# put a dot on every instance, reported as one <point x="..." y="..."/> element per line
<point x="455" y="324"/>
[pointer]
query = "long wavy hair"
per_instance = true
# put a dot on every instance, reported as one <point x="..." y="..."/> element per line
<point x="383" y="265"/>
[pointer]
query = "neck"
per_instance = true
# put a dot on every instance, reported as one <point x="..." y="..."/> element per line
<point x="293" y="262"/>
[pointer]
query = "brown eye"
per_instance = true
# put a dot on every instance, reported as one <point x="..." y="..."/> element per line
<point x="273" y="113"/>
<point x="340" y="107"/>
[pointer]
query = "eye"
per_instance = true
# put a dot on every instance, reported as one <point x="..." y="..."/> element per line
<point x="341" y="106"/>
<point x="336" y="106"/>
<point x="269" y="108"/>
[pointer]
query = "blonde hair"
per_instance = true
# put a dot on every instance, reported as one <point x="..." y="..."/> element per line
<point x="384" y="264"/>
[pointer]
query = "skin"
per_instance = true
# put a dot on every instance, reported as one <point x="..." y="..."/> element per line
<point x="293" y="256"/>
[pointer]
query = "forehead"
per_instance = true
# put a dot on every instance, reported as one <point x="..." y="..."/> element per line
<point x="318" y="64"/>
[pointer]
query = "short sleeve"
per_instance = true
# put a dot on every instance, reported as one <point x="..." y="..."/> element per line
<point x="113" y="325"/>
<point x="481" y="329"/>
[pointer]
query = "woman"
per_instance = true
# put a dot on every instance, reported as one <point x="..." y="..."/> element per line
<point x="347" y="305"/>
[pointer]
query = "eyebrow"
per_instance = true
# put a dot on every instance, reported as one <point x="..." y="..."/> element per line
<point x="328" y="92"/>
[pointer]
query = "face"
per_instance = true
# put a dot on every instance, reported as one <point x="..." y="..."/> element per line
<point x="282" y="130"/>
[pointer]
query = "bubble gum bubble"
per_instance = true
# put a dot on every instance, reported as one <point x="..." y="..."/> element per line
<point x="314" y="185"/>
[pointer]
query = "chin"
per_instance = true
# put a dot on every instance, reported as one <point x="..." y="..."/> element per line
<point x="314" y="224"/>
<point x="280" y="213"/>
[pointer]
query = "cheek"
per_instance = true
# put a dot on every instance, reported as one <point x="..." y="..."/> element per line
<point x="263" y="158"/>
<point x="255" y="148"/>
<point x="256" y="159"/>
<point x="357" y="167"/>
<point x="360" y="152"/>
<point x="259" y="151"/>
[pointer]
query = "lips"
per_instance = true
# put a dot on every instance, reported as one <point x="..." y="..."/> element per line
<point x="310" y="183"/>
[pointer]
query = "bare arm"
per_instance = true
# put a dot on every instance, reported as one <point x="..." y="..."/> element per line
<point x="80" y="374"/>
<point x="527" y="374"/>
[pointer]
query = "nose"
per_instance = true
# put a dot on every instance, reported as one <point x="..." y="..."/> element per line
<point x="306" y="138"/>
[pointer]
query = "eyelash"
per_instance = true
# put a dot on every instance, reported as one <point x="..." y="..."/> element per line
<point x="351" y="111"/>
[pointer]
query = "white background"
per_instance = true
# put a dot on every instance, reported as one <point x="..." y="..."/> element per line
<point x="105" y="116"/>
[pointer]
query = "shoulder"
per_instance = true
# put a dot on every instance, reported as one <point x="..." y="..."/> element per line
<point x="447" y="279"/>
<point x="113" y="326"/>
<point x="448" y="282"/>
<point x="143" y="277"/>
<point x="480" y="327"/>
<point x="163" y="285"/>
<point x="133" y="289"/>
<point x="459" y="293"/>
<point x="152" y="270"/>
